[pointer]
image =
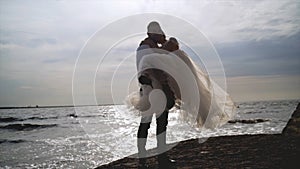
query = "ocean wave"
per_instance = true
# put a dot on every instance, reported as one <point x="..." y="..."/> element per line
<point x="73" y="115"/>
<point x="254" y="112"/>
<point x="12" y="141"/>
<point x="26" y="126"/>
<point x="9" y="119"/>
<point x="13" y="119"/>
<point x="41" y="118"/>
<point x="248" y="121"/>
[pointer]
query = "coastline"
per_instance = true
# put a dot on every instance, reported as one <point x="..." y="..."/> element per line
<point x="241" y="151"/>
<point x="53" y="106"/>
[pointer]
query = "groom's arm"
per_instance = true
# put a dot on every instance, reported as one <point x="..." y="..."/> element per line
<point x="149" y="43"/>
<point x="145" y="80"/>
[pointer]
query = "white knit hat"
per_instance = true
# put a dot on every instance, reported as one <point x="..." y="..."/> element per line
<point x="154" y="27"/>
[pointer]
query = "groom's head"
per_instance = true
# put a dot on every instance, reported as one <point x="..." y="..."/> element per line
<point x="155" y="32"/>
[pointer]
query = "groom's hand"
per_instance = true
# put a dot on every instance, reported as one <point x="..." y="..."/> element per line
<point x="162" y="39"/>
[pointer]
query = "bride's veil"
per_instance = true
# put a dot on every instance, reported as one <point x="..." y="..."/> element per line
<point x="203" y="102"/>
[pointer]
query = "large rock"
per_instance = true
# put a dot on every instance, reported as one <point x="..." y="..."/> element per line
<point x="293" y="125"/>
<point x="242" y="151"/>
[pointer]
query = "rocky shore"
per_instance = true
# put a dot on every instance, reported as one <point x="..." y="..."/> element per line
<point x="243" y="151"/>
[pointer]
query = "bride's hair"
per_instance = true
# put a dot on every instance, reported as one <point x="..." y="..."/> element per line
<point x="171" y="45"/>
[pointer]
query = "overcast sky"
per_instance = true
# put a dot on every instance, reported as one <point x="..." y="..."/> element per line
<point x="257" y="41"/>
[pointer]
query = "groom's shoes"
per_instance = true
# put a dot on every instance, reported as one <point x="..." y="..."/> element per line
<point x="142" y="156"/>
<point x="164" y="162"/>
<point x="143" y="163"/>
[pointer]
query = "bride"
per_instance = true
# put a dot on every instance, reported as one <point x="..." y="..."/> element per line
<point x="201" y="101"/>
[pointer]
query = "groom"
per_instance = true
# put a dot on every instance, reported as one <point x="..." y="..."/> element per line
<point x="155" y="38"/>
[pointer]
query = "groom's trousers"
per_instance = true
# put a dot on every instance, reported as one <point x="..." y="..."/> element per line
<point x="161" y="121"/>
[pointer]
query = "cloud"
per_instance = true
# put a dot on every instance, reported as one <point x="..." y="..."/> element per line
<point x="26" y="87"/>
<point x="234" y="21"/>
<point x="266" y="57"/>
<point x="40" y="41"/>
<point x="272" y="87"/>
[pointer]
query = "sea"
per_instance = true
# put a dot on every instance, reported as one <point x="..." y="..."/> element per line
<point x="90" y="136"/>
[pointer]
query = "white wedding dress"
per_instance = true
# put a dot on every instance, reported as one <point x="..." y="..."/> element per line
<point x="202" y="102"/>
